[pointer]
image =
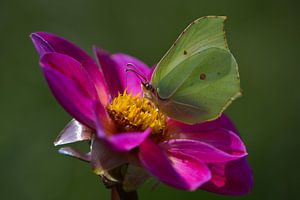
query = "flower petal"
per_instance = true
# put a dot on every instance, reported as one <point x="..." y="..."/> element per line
<point x="72" y="69"/>
<point x="128" y="140"/>
<point x="70" y="89"/>
<point x="212" y="133"/>
<point x="231" y="178"/>
<point x="222" y="122"/>
<point x="130" y="80"/>
<point x="199" y="150"/>
<point x="179" y="171"/>
<point x="73" y="132"/>
<point x="110" y="71"/>
<point x="104" y="158"/>
<point x="69" y="151"/>
<point x="125" y="141"/>
<point x="47" y="42"/>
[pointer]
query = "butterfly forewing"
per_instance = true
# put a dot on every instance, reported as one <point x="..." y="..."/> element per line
<point x="201" y="34"/>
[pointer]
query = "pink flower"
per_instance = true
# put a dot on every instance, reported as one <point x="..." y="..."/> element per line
<point x="126" y="131"/>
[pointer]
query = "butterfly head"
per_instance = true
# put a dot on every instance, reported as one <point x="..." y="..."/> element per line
<point x="144" y="81"/>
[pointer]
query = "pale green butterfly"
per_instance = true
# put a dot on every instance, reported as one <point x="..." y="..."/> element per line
<point x="198" y="77"/>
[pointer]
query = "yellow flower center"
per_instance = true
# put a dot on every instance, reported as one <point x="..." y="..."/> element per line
<point x="134" y="113"/>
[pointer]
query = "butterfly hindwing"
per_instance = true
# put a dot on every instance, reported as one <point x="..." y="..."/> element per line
<point x="203" y="86"/>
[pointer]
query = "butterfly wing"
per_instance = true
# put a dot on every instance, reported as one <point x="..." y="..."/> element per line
<point x="198" y="77"/>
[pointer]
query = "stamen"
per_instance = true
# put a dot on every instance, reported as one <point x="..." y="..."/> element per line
<point x="134" y="113"/>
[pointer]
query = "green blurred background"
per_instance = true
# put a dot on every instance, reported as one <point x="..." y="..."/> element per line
<point x="263" y="35"/>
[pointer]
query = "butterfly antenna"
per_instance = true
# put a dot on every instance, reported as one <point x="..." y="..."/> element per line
<point x="138" y="73"/>
<point x="134" y="67"/>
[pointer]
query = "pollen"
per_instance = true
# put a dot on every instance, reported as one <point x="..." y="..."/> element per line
<point x="135" y="113"/>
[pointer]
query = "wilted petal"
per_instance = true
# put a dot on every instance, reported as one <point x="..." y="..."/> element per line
<point x="69" y="151"/>
<point x="179" y="171"/>
<point x="135" y="176"/>
<point x="70" y="90"/>
<point x="129" y="79"/>
<point x="110" y="71"/>
<point x="200" y="150"/>
<point x="73" y="132"/>
<point x="231" y="178"/>
<point x="104" y="158"/>
<point x="47" y="42"/>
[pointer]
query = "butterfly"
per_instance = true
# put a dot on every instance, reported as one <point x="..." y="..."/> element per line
<point x="198" y="77"/>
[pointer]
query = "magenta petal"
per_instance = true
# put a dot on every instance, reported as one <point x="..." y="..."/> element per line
<point x="222" y="139"/>
<point x="110" y="71"/>
<point x="46" y="43"/>
<point x="215" y="135"/>
<point x="200" y="150"/>
<point x="179" y="171"/>
<point x="72" y="69"/>
<point x="69" y="94"/>
<point x="41" y="44"/>
<point x="125" y="141"/>
<point x="231" y="178"/>
<point x="129" y="79"/>
<point x="222" y="122"/>
<point x="128" y="140"/>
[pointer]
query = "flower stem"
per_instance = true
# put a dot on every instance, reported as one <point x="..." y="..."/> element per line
<point x="118" y="193"/>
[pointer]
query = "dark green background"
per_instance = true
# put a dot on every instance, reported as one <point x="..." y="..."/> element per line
<point x="263" y="35"/>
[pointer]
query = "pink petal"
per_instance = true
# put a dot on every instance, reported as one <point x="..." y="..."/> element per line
<point x="130" y="80"/>
<point x="125" y="141"/>
<point x="72" y="69"/>
<point x="128" y="140"/>
<point x="179" y="171"/>
<point x="72" y="90"/>
<point x="222" y="122"/>
<point x="200" y="150"/>
<point x="212" y="133"/>
<point x="47" y="42"/>
<point x="110" y="71"/>
<point x="231" y="178"/>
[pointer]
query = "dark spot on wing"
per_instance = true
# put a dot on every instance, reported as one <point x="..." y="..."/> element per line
<point x="202" y="76"/>
<point x="184" y="52"/>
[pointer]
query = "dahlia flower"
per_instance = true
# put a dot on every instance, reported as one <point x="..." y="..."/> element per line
<point x="131" y="139"/>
